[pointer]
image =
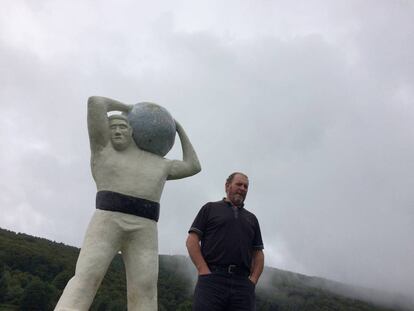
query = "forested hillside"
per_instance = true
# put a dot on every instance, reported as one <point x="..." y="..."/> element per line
<point x="34" y="271"/>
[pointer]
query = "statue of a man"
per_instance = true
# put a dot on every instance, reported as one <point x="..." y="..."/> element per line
<point x="129" y="182"/>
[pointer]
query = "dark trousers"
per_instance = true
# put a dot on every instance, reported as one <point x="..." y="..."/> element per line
<point x="224" y="292"/>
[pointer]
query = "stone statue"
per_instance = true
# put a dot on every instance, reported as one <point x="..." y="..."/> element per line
<point x="129" y="182"/>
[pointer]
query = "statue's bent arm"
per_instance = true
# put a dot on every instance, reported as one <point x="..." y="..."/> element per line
<point x="190" y="165"/>
<point x="98" y="126"/>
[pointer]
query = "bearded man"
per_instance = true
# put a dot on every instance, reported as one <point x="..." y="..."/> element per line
<point x="225" y="245"/>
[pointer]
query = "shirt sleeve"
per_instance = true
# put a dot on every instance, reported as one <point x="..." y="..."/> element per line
<point x="257" y="240"/>
<point x="199" y="223"/>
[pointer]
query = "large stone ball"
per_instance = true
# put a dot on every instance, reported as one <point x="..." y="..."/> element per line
<point x="153" y="128"/>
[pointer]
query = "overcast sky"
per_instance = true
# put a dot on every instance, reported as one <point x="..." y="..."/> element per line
<point x="312" y="99"/>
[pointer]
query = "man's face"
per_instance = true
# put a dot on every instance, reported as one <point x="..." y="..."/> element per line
<point x="121" y="134"/>
<point x="237" y="189"/>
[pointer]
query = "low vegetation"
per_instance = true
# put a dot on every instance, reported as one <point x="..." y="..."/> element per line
<point x="34" y="271"/>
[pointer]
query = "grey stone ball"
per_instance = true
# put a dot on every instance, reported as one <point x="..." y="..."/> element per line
<point x="153" y="128"/>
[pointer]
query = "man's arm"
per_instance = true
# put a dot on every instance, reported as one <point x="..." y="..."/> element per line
<point x="194" y="250"/>
<point x="98" y="127"/>
<point x="257" y="266"/>
<point x="189" y="165"/>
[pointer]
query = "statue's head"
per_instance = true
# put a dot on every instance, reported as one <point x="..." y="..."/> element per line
<point x="120" y="131"/>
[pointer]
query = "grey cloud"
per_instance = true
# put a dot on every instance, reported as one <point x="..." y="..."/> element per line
<point x="326" y="141"/>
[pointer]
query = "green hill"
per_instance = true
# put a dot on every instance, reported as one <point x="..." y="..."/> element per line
<point x="34" y="271"/>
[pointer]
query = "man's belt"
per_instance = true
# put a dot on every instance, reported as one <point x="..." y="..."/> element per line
<point x="117" y="202"/>
<point x="230" y="269"/>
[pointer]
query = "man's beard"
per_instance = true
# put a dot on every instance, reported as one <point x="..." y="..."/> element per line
<point x="238" y="199"/>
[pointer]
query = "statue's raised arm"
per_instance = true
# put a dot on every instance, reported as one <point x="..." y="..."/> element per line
<point x="190" y="165"/>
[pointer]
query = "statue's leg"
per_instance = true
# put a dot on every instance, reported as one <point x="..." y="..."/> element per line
<point x="140" y="254"/>
<point x="102" y="242"/>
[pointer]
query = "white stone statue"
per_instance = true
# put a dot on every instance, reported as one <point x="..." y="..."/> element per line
<point x="129" y="182"/>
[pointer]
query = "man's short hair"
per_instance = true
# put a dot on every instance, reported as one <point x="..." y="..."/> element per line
<point x="118" y="116"/>
<point x="232" y="175"/>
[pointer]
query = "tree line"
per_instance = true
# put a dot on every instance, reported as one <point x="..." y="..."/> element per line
<point x="34" y="272"/>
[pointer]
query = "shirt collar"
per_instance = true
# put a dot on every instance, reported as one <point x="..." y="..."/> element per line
<point x="231" y="205"/>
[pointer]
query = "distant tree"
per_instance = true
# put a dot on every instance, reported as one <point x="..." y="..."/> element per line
<point x="185" y="306"/>
<point x="37" y="296"/>
<point x="3" y="287"/>
<point x="14" y="289"/>
<point x="101" y="304"/>
<point x="62" y="279"/>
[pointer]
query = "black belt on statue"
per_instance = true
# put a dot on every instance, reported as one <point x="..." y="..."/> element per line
<point x="117" y="202"/>
<point x="230" y="269"/>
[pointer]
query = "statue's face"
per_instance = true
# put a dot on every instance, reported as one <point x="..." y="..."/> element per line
<point x="121" y="134"/>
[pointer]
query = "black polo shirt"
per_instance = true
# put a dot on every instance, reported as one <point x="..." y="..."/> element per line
<point x="228" y="234"/>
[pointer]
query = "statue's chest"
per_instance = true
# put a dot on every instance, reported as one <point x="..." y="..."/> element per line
<point x="113" y="163"/>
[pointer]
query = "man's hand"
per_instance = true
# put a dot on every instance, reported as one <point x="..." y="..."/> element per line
<point x="253" y="280"/>
<point x="203" y="271"/>
<point x="257" y="266"/>
<point x="193" y="247"/>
